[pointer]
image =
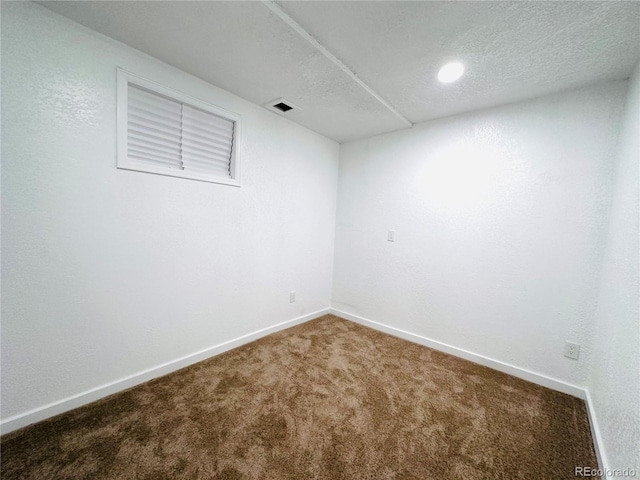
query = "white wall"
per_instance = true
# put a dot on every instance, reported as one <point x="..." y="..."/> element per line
<point x="615" y="380"/>
<point x="500" y="219"/>
<point x="110" y="272"/>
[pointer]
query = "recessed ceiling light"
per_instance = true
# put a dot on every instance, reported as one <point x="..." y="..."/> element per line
<point x="451" y="72"/>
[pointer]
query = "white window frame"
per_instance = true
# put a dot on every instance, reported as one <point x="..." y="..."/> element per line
<point x="125" y="78"/>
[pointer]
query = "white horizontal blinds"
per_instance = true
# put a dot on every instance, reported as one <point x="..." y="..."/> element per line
<point x="166" y="133"/>
<point x="207" y="142"/>
<point x="154" y="129"/>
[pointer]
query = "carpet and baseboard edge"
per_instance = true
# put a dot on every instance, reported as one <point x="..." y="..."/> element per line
<point x="61" y="406"/>
<point x="533" y="377"/>
<point x="41" y="413"/>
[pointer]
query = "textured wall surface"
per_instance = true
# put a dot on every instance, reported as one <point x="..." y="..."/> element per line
<point x="615" y="380"/>
<point x="500" y="220"/>
<point x="108" y="272"/>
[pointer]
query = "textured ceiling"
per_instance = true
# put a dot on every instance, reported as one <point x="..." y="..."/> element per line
<point x="512" y="50"/>
<point x="363" y="68"/>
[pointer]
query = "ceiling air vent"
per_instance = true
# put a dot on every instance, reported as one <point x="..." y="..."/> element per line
<point x="281" y="106"/>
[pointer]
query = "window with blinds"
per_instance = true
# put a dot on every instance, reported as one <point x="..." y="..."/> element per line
<point x="165" y="132"/>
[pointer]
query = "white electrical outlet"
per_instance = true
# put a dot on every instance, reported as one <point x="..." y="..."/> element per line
<point x="292" y="297"/>
<point x="572" y="350"/>
<point x="391" y="236"/>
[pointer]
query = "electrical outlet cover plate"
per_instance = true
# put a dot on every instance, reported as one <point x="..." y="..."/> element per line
<point x="572" y="350"/>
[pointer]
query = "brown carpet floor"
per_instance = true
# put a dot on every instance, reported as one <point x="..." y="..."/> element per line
<point x="328" y="399"/>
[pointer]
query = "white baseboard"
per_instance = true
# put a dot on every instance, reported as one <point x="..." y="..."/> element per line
<point x="522" y="373"/>
<point x="533" y="377"/>
<point x="42" y="413"/>
<point x="598" y="445"/>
